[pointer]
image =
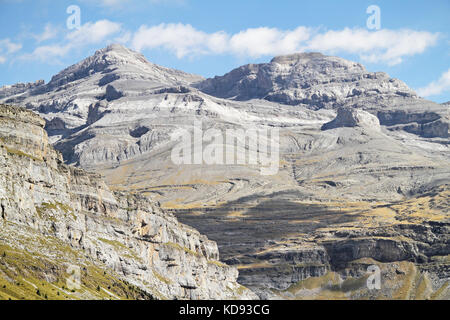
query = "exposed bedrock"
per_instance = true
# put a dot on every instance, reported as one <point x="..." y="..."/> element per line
<point x="129" y="234"/>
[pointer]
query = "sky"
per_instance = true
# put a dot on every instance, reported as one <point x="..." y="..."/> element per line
<point x="410" y="40"/>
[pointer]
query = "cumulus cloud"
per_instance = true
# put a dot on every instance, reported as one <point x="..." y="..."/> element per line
<point x="264" y="41"/>
<point x="436" y="87"/>
<point x="183" y="39"/>
<point x="93" y="32"/>
<point x="386" y="46"/>
<point x="46" y="53"/>
<point x="180" y="39"/>
<point x="389" y="46"/>
<point x="88" y="34"/>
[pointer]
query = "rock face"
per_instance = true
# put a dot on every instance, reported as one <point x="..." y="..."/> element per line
<point x="125" y="233"/>
<point x="305" y="78"/>
<point x="19" y="88"/>
<point x="318" y="81"/>
<point x="106" y="75"/>
<point x="353" y="117"/>
<point x="395" y="233"/>
<point x="350" y="141"/>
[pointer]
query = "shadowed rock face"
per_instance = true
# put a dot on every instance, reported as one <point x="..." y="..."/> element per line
<point x="350" y="142"/>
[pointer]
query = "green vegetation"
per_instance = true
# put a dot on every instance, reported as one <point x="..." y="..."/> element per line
<point x="122" y="249"/>
<point x="19" y="153"/>
<point x="57" y="206"/>
<point x="177" y="246"/>
<point x="114" y="243"/>
<point x="217" y="263"/>
<point x="22" y="275"/>
<point x="162" y="278"/>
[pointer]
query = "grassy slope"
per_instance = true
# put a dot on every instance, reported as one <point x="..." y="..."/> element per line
<point x="36" y="267"/>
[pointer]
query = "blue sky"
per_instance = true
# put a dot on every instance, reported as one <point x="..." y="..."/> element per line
<point x="212" y="37"/>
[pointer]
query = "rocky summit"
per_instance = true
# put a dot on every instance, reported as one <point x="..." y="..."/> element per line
<point x="362" y="180"/>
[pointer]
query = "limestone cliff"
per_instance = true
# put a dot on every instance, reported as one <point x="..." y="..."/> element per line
<point x="118" y="233"/>
<point x="354" y="147"/>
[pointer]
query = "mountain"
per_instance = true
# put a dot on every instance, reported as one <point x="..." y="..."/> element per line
<point x="363" y="168"/>
<point x="318" y="81"/>
<point x="56" y="218"/>
<point x="72" y="93"/>
<point x="304" y="78"/>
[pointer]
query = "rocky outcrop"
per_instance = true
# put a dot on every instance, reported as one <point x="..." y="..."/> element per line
<point x="426" y="124"/>
<point x="353" y="117"/>
<point x="317" y="81"/>
<point x="304" y="78"/>
<point x="128" y="233"/>
<point x="19" y="88"/>
<point x="282" y="265"/>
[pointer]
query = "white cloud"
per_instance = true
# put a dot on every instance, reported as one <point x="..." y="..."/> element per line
<point x="385" y="46"/>
<point x="89" y="33"/>
<point x="124" y="38"/>
<point x="185" y="40"/>
<point x="268" y="41"/>
<point x="389" y="46"/>
<point x="45" y="53"/>
<point x="7" y="49"/>
<point x="180" y="39"/>
<point x="9" y="46"/>
<point x="436" y="87"/>
<point x="49" y="32"/>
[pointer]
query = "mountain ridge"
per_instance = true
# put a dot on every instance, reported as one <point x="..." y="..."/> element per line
<point x="358" y="152"/>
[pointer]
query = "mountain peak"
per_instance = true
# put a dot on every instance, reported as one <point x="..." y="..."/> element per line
<point x="118" y="61"/>
<point x="297" y="56"/>
<point x="120" y="54"/>
<point x="113" y="55"/>
<point x="319" y="62"/>
<point x="309" y="78"/>
<point x="116" y="47"/>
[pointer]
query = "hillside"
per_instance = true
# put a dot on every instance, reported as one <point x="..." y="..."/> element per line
<point x="56" y="217"/>
<point x="362" y="174"/>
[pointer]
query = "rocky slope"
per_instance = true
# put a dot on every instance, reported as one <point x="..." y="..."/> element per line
<point x="305" y="78"/>
<point x="412" y="235"/>
<point x="46" y="201"/>
<point x="72" y="94"/>
<point x="350" y="141"/>
<point x="318" y="81"/>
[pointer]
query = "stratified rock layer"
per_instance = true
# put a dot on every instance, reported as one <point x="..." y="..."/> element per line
<point x="128" y="234"/>
<point x="353" y="144"/>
